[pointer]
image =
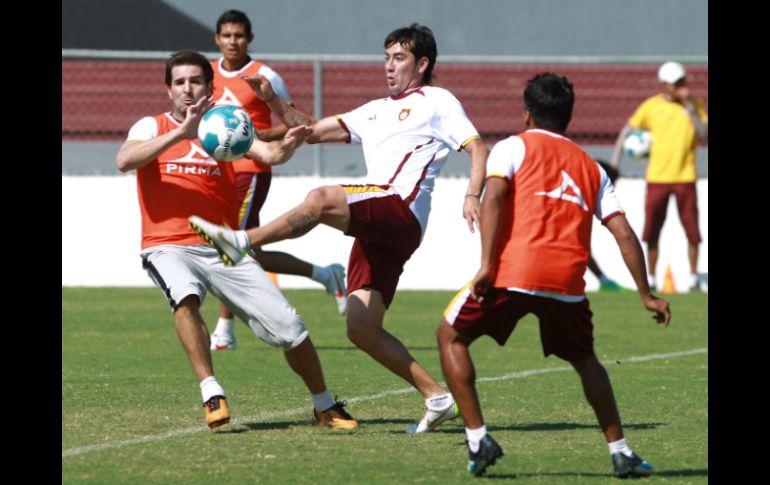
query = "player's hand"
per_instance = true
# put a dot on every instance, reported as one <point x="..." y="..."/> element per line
<point x="296" y="136"/>
<point x="193" y="117"/>
<point x="471" y="209"/>
<point x="261" y="86"/>
<point x="660" y="308"/>
<point x="482" y="283"/>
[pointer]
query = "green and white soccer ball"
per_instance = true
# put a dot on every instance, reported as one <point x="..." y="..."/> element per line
<point x="637" y="144"/>
<point x="226" y="133"/>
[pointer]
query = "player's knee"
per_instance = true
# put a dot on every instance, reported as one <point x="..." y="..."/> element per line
<point x="692" y="233"/>
<point x="588" y="365"/>
<point x="318" y="198"/>
<point x="288" y="340"/>
<point x="325" y="200"/>
<point x="444" y="333"/>
<point x="187" y="306"/>
<point x="294" y="341"/>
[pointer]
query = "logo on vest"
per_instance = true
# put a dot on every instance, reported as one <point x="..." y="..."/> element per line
<point x="404" y="114"/>
<point x="228" y="99"/>
<point x="568" y="191"/>
<point x="197" y="161"/>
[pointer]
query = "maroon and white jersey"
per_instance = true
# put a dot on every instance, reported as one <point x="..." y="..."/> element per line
<point x="406" y="140"/>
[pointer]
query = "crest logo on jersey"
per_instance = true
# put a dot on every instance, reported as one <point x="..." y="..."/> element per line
<point x="568" y="191"/>
<point x="404" y="114"/>
<point x="228" y="99"/>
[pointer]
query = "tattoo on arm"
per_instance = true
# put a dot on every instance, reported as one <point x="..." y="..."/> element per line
<point x="292" y="117"/>
<point x="301" y="223"/>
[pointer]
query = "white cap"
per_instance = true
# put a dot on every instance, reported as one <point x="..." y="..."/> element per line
<point x="671" y="72"/>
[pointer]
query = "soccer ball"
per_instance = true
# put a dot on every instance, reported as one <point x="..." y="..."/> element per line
<point x="226" y="133"/>
<point x="637" y="144"/>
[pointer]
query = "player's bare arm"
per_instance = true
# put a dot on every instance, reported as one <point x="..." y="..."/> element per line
<point x="286" y="112"/>
<point x="496" y="190"/>
<point x="634" y="259"/>
<point x="134" y="154"/>
<point x="278" y="152"/>
<point x="324" y="130"/>
<point x="472" y="204"/>
<point x="272" y="134"/>
<point x="328" y="129"/>
<point x="617" y="151"/>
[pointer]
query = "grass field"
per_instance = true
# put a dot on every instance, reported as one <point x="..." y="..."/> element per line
<point x="131" y="409"/>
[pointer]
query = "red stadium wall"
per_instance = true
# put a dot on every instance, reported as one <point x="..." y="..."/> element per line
<point x="102" y="99"/>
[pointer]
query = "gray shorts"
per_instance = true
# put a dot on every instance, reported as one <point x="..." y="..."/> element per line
<point x="181" y="271"/>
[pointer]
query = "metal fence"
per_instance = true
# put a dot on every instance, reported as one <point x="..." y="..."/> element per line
<point x="105" y="92"/>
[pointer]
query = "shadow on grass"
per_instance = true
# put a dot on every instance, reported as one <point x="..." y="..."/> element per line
<point x="387" y="421"/>
<point x="353" y="347"/>
<point x="552" y="427"/>
<point x="258" y="426"/>
<point x="262" y="426"/>
<point x="490" y="475"/>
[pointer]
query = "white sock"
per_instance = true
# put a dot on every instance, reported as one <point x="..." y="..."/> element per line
<point x="651" y="280"/>
<point x="224" y="326"/>
<point x="474" y="437"/>
<point x="619" y="446"/>
<point x="320" y="274"/>
<point x="323" y="401"/>
<point x="242" y="240"/>
<point x="439" y="402"/>
<point x="210" y="388"/>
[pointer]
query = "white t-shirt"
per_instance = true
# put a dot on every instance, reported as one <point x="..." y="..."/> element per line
<point x="406" y="140"/>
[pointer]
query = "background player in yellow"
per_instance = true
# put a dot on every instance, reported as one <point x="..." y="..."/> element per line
<point x="676" y="119"/>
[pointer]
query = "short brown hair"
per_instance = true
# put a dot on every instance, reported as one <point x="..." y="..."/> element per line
<point x="189" y="58"/>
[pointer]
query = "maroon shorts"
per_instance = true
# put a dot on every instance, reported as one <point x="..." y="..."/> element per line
<point x="251" y="190"/>
<point x="565" y="328"/>
<point x="657" y="203"/>
<point x="387" y="233"/>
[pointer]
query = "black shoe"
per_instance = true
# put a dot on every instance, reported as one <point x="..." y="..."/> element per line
<point x="631" y="466"/>
<point x="489" y="452"/>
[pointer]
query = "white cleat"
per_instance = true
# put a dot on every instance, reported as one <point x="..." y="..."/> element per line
<point x="223" y="342"/>
<point x="220" y="237"/>
<point x="337" y="288"/>
<point x="434" y="417"/>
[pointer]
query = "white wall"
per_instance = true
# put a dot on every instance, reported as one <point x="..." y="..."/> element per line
<point x="101" y="235"/>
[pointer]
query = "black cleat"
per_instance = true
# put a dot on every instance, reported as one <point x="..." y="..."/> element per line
<point x="489" y="452"/>
<point x="631" y="466"/>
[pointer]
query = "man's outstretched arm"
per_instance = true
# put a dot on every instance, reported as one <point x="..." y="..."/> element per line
<point x="634" y="259"/>
<point x="324" y="130"/>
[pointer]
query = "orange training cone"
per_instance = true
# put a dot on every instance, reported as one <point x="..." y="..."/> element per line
<point x="274" y="279"/>
<point x="668" y="281"/>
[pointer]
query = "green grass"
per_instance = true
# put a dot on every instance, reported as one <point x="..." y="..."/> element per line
<point x="125" y="376"/>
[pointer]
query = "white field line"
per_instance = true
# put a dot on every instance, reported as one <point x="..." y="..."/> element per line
<point x="81" y="450"/>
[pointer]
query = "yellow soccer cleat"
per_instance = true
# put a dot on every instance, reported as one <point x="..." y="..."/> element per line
<point x="217" y="412"/>
<point x="335" y="417"/>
